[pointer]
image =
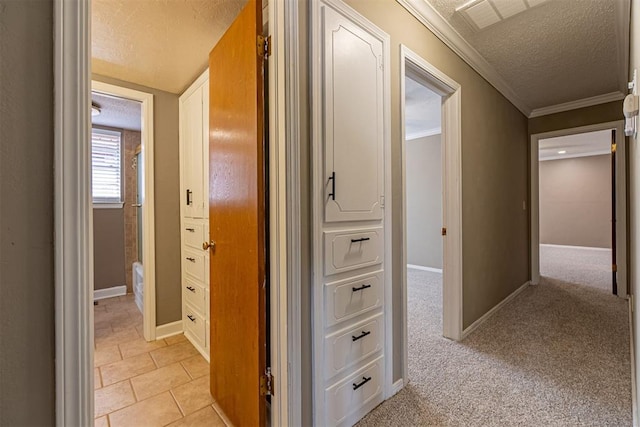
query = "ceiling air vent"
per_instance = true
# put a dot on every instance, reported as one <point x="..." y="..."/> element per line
<point x="484" y="13"/>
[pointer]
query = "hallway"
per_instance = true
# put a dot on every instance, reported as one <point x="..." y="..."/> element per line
<point x="556" y="355"/>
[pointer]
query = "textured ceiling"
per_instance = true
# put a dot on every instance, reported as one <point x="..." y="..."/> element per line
<point x="579" y="145"/>
<point x="116" y="112"/>
<point x="423" y="110"/>
<point x="163" y="44"/>
<point x="557" y="52"/>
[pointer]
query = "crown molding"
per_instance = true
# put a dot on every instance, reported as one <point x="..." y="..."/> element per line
<point x="440" y="27"/>
<point x="423" y="134"/>
<point x="580" y="103"/>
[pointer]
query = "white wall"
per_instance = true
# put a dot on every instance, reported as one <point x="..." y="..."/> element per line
<point x="424" y="201"/>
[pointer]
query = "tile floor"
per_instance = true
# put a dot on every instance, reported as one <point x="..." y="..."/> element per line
<point x="139" y="383"/>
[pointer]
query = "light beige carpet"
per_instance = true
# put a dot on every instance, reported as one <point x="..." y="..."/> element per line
<point x="557" y="355"/>
<point x="582" y="266"/>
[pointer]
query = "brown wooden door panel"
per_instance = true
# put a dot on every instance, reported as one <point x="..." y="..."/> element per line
<point x="237" y="220"/>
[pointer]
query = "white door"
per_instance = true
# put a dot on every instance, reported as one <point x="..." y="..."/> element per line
<point x="193" y="197"/>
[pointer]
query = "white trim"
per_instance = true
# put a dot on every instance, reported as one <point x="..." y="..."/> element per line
<point x="580" y="103"/>
<point x="621" y="194"/>
<point x="451" y="92"/>
<point x="440" y="27"/>
<point x="493" y="311"/>
<point x="114" y="291"/>
<point x="98" y="205"/>
<point x="575" y="155"/>
<point x="397" y="386"/>
<point x="278" y="221"/>
<point x="73" y="242"/>
<point x="634" y="382"/>
<point x="190" y="90"/>
<point x="168" y="329"/>
<point x="423" y="134"/>
<point x="421" y="267"/>
<point x="588" y="248"/>
<point x="148" y="200"/>
<point x="294" y="195"/>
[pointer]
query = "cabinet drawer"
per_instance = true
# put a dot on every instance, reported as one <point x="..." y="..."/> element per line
<point x="194" y="234"/>
<point x="194" y="265"/>
<point x="348" y="396"/>
<point x="195" y="295"/>
<point x="349" y="346"/>
<point x="195" y="325"/>
<point x="348" y="298"/>
<point x="352" y="249"/>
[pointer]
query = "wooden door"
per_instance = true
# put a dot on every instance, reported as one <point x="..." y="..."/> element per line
<point x="237" y="220"/>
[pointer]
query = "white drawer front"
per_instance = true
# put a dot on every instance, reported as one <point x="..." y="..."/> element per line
<point x="194" y="234"/>
<point x="342" y="399"/>
<point x="194" y="265"/>
<point x="195" y="325"/>
<point x="195" y="295"/>
<point x="352" y="249"/>
<point x="348" y="298"/>
<point x="349" y="346"/>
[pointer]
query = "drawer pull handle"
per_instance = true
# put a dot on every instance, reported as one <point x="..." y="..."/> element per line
<point x="332" y="178"/>
<point x="193" y="230"/>
<point x="361" y="288"/>
<point x="193" y="319"/>
<point x="191" y="259"/>
<point x="362" y="335"/>
<point x="362" y="239"/>
<point x="364" y="381"/>
<point x="192" y="289"/>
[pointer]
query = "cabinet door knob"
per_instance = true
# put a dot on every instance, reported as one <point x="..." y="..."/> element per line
<point x="209" y="245"/>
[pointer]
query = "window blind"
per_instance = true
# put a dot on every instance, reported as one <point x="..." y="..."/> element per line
<point x="106" y="166"/>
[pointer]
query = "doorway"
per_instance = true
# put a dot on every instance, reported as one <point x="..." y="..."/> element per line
<point x="432" y="235"/>
<point x="578" y="207"/>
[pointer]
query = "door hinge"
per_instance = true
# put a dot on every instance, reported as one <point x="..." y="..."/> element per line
<point x="614" y="268"/>
<point x="613" y="147"/>
<point x="264" y="46"/>
<point x="444" y="231"/>
<point x="266" y="383"/>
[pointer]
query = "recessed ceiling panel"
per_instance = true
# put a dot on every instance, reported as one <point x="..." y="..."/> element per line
<point x="482" y="14"/>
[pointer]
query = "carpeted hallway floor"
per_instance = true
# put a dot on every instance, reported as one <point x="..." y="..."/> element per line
<point x="557" y="355"/>
<point x="582" y="266"/>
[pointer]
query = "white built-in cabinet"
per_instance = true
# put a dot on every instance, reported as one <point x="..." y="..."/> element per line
<point x="351" y="234"/>
<point x="194" y="212"/>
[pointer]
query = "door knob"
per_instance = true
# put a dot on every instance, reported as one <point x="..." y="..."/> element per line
<point x="209" y="245"/>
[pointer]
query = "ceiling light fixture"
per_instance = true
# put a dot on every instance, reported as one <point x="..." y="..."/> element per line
<point x="562" y="152"/>
<point x="95" y="109"/>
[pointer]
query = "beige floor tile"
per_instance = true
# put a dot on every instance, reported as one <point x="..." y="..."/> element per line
<point x="127" y="323"/>
<point x="139" y="346"/>
<point x="101" y="422"/>
<point x="102" y="332"/>
<point x="196" y="366"/>
<point x="101" y="324"/>
<point x="159" y="380"/>
<point x="113" y="397"/>
<point x="126" y="368"/>
<point x="111" y="317"/>
<point x="105" y="355"/>
<point x="174" y="353"/>
<point x="193" y="395"/>
<point x="97" y="382"/>
<point x="140" y="330"/>
<point x="205" y="417"/>
<point x="174" y="339"/>
<point x="118" y="337"/>
<point x="158" y="411"/>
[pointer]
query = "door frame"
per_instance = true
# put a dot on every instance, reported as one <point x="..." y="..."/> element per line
<point x="148" y="203"/>
<point x="74" y="394"/>
<point x="621" y="197"/>
<point x="451" y="93"/>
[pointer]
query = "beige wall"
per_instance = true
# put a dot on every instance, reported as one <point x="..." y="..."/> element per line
<point x="634" y="191"/>
<point x="27" y="347"/>
<point x="108" y="248"/>
<point x="167" y="208"/>
<point x="424" y="201"/>
<point x="602" y="113"/>
<point x="575" y="202"/>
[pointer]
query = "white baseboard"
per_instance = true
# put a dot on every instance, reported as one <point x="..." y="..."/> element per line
<point x="169" y="329"/>
<point x="115" y="291"/>
<point x="420" y="267"/>
<point x="397" y="386"/>
<point x="491" y="312"/>
<point x="574" y="247"/>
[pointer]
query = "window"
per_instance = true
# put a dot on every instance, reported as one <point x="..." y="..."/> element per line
<point x="106" y="166"/>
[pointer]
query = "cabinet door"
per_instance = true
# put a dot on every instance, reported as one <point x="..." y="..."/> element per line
<point x="354" y="121"/>
<point x="205" y="150"/>
<point x="192" y="151"/>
